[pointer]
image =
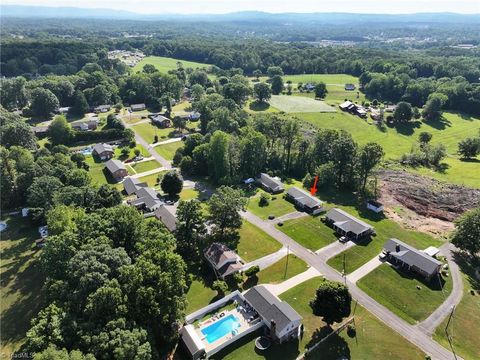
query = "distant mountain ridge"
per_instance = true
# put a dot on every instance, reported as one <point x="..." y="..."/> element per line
<point x="26" y="11"/>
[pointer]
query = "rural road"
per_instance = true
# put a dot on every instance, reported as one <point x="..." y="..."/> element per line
<point x="435" y="319"/>
<point x="412" y="333"/>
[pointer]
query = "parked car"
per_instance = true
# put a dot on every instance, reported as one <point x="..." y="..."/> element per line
<point x="343" y="239"/>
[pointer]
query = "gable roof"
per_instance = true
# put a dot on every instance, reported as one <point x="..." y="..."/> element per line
<point x="411" y="256"/>
<point x="303" y="197"/>
<point x="148" y="197"/>
<point x="217" y="253"/>
<point x="114" y="165"/>
<point x="137" y="106"/>
<point x="270" y="182"/>
<point x="271" y="308"/>
<point x="166" y="216"/>
<point x="100" y="148"/>
<point x="132" y="185"/>
<point x="347" y="222"/>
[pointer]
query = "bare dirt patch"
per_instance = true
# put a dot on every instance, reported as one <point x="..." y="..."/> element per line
<point x="424" y="203"/>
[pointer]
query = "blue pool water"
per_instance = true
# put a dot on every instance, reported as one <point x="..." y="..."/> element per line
<point x="221" y="328"/>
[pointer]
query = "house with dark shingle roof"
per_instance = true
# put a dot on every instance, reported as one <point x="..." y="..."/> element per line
<point x="304" y="200"/>
<point x="350" y="87"/>
<point x="407" y="257"/>
<point x="280" y="318"/>
<point x="137" y="107"/>
<point x="223" y="260"/>
<point x="166" y="214"/>
<point x="270" y="184"/>
<point x="103" y="151"/>
<point x="132" y="185"/>
<point x="147" y="199"/>
<point x="116" y="168"/>
<point x="347" y="225"/>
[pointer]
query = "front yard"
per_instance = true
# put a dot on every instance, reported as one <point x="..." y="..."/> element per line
<point x="143" y="166"/>
<point x="167" y="151"/>
<point x="398" y="291"/>
<point x="277" y="206"/>
<point x="255" y="243"/>
<point x="309" y="232"/>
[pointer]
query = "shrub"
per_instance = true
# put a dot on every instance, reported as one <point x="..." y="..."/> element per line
<point x="252" y="271"/>
<point x="351" y="330"/>
<point x="238" y="278"/>
<point x="220" y="287"/>
<point x="264" y="200"/>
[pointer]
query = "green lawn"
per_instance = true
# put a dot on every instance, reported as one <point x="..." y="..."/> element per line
<point x="278" y="206"/>
<point x="21" y="293"/>
<point x="148" y="131"/>
<point x="145" y="166"/>
<point x="99" y="173"/>
<point x="255" y="243"/>
<point x="309" y="231"/>
<point x="299" y="104"/>
<point x="397" y="290"/>
<point x="118" y="152"/>
<point x="254" y="107"/>
<point x="275" y="273"/>
<point x="167" y="151"/>
<point x="164" y="64"/>
<point x="399" y="140"/>
<point x="151" y="180"/>
<point x="374" y="340"/>
<point x="464" y="327"/>
<point x="189" y="194"/>
<point x="198" y="296"/>
<point x="336" y="95"/>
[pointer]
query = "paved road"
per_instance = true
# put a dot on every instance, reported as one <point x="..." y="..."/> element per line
<point x="364" y="269"/>
<point x="435" y="319"/>
<point x="412" y="333"/>
<point x="266" y="261"/>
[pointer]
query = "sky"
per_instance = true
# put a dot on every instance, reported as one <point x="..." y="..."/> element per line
<point x="274" y="6"/>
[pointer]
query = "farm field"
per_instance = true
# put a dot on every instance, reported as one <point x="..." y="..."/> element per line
<point x="21" y="294"/>
<point x="255" y="243"/>
<point x="336" y="79"/>
<point x="336" y="95"/>
<point x="299" y="104"/>
<point x="277" y="206"/>
<point x="399" y="140"/>
<point x="168" y="150"/>
<point x="397" y="290"/>
<point x="309" y="232"/>
<point x="374" y="340"/>
<point x="164" y="64"/>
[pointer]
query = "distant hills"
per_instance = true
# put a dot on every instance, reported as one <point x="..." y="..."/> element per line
<point x="23" y="11"/>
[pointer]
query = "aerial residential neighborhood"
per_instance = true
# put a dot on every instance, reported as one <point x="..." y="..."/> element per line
<point x="294" y="182"/>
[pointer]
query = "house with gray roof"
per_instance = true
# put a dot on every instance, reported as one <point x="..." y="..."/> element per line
<point x="271" y="184"/>
<point x="409" y="258"/>
<point x="116" y="168"/>
<point x="166" y="214"/>
<point x="304" y="201"/>
<point x="102" y="108"/>
<point x="137" y="107"/>
<point x="223" y="260"/>
<point x="147" y="199"/>
<point x="132" y="185"/>
<point x="103" y="151"/>
<point x="280" y="318"/>
<point x="348" y="225"/>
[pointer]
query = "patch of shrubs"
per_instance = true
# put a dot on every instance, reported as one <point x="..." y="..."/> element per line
<point x="264" y="200"/>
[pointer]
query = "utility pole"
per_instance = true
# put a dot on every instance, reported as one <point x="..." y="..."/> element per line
<point x="344" y="274"/>
<point x="448" y="335"/>
<point x="286" y="264"/>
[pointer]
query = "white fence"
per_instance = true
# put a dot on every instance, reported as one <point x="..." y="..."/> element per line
<point x="209" y="308"/>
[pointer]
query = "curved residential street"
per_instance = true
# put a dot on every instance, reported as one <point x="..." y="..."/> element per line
<point x="415" y="334"/>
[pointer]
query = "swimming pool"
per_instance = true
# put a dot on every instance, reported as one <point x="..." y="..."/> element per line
<point x="221" y="328"/>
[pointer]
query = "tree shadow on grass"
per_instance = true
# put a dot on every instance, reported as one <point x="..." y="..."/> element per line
<point x="436" y="283"/>
<point x="468" y="265"/>
<point x="334" y="348"/>
<point x="440" y="124"/>
<point x="407" y="128"/>
<point x="259" y="106"/>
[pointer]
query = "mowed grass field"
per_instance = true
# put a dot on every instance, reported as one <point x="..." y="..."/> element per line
<point x="21" y="293"/>
<point x="277" y="206"/>
<point x="299" y="104"/>
<point x="309" y="231"/>
<point x="168" y="150"/>
<point x="373" y="340"/>
<point x="397" y="290"/>
<point x="164" y="64"/>
<point x="255" y="243"/>
<point x="329" y="79"/>
<point x="399" y="140"/>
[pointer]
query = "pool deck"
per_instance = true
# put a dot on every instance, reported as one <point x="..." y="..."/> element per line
<point x="242" y="317"/>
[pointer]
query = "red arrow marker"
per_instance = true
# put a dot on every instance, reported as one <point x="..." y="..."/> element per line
<point x="313" y="189"/>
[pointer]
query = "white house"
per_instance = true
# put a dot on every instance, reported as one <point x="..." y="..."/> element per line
<point x="375" y="206"/>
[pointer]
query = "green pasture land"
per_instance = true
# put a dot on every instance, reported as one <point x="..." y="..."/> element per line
<point x="255" y="243"/>
<point x="374" y="340"/>
<point x="145" y="166"/>
<point x="329" y="79"/>
<point x="277" y="206"/>
<point x="399" y="140"/>
<point x="336" y="95"/>
<point x="21" y="293"/>
<point x="309" y="232"/>
<point x="463" y="327"/>
<point x="164" y="64"/>
<point x="397" y="290"/>
<point x="168" y="150"/>
<point x="299" y="104"/>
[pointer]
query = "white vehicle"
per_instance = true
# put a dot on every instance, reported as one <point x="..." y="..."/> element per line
<point x="343" y="239"/>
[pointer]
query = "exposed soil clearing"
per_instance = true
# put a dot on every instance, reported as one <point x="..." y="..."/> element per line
<point x="423" y="203"/>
